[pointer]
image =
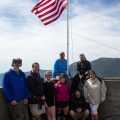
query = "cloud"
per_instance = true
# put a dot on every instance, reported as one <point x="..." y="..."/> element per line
<point x="23" y="35"/>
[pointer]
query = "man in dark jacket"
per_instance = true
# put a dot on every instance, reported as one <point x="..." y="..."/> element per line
<point x="35" y="86"/>
<point x="15" y="89"/>
<point x="82" y="68"/>
<point x="78" y="106"/>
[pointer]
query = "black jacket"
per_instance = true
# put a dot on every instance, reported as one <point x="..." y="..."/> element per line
<point x="83" y="67"/>
<point x="76" y="103"/>
<point x="35" y="84"/>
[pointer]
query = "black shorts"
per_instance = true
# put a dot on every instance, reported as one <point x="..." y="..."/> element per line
<point x="50" y="103"/>
<point x="62" y="104"/>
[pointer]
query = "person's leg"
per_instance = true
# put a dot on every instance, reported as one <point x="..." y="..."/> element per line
<point x="95" y="113"/>
<point x="92" y="116"/>
<point x="74" y="84"/>
<point x="52" y="109"/>
<point x="17" y="111"/>
<point x="59" y="113"/>
<point x="65" y="112"/>
<point x="83" y="79"/>
<point x="72" y="114"/>
<point x="25" y="110"/>
<point x="91" y="107"/>
<point x="48" y="112"/>
<point x="37" y="117"/>
<point x="86" y="113"/>
<point x="96" y="117"/>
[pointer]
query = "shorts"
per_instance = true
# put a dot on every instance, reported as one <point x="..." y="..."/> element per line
<point x="34" y="109"/>
<point x="62" y="104"/>
<point x="50" y="103"/>
<point x="78" y="115"/>
<point x="94" y="108"/>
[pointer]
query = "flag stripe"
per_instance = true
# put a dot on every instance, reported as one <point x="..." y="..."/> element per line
<point x="54" y="18"/>
<point x="55" y="14"/>
<point x="52" y="11"/>
<point x="49" y="10"/>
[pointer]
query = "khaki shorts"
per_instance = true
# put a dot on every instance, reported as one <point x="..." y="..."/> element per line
<point x="76" y="114"/>
<point x="34" y="109"/>
<point x="79" y="115"/>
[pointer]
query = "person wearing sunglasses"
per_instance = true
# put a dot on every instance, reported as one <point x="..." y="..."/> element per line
<point x="16" y="91"/>
<point x="60" y="67"/>
<point x="49" y="96"/>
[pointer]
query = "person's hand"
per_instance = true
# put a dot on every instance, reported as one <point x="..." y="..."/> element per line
<point x="80" y="77"/>
<point x="13" y="102"/>
<point x="79" y="110"/>
<point x="86" y="100"/>
<point x="46" y="106"/>
<point x="43" y="97"/>
<point x="53" y="79"/>
<point x="87" y="73"/>
<point x="25" y="101"/>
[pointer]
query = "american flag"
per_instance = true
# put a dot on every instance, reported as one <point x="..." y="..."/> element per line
<point x="49" y="10"/>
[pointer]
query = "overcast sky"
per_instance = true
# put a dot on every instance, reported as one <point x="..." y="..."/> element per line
<point x="23" y="35"/>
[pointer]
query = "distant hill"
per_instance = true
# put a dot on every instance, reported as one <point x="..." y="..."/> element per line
<point x="104" y="67"/>
<point x="107" y="67"/>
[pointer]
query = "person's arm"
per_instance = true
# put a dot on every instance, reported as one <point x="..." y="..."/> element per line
<point x="54" y="70"/>
<point x="89" y="65"/>
<point x="32" y="87"/>
<point x="103" y="91"/>
<point x="56" y="89"/>
<point x="78" y="68"/>
<point x="57" y="84"/>
<point x="72" y="107"/>
<point x="6" y="88"/>
<point x="84" y="105"/>
<point x="86" y="92"/>
<point x="27" y="94"/>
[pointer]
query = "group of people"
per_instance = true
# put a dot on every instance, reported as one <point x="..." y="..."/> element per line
<point x="55" y="95"/>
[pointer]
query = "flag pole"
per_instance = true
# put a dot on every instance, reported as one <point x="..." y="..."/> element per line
<point x="68" y="37"/>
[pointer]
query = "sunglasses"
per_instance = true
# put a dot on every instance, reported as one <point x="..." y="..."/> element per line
<point x="48" y="75"/>
<point x="17" y="62"/>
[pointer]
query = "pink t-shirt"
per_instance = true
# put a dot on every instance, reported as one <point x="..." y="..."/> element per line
<point x="61" y="92"/>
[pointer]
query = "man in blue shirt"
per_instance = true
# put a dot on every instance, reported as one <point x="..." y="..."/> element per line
<point x="15" y="89"/>
<point x="60" y="67"/>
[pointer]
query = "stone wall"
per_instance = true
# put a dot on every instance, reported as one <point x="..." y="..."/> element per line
<point x="4" y="109"/>
<point x="108" y="110"/>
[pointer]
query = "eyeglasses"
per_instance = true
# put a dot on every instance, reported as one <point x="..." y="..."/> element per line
<point x="17" y="62"/>
<point x="48" y="75"/>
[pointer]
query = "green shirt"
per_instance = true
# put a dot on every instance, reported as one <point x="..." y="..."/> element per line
<point x="18" y="72"/>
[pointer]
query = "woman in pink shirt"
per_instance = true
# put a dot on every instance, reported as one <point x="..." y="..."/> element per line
<point x="62" y="97"/>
